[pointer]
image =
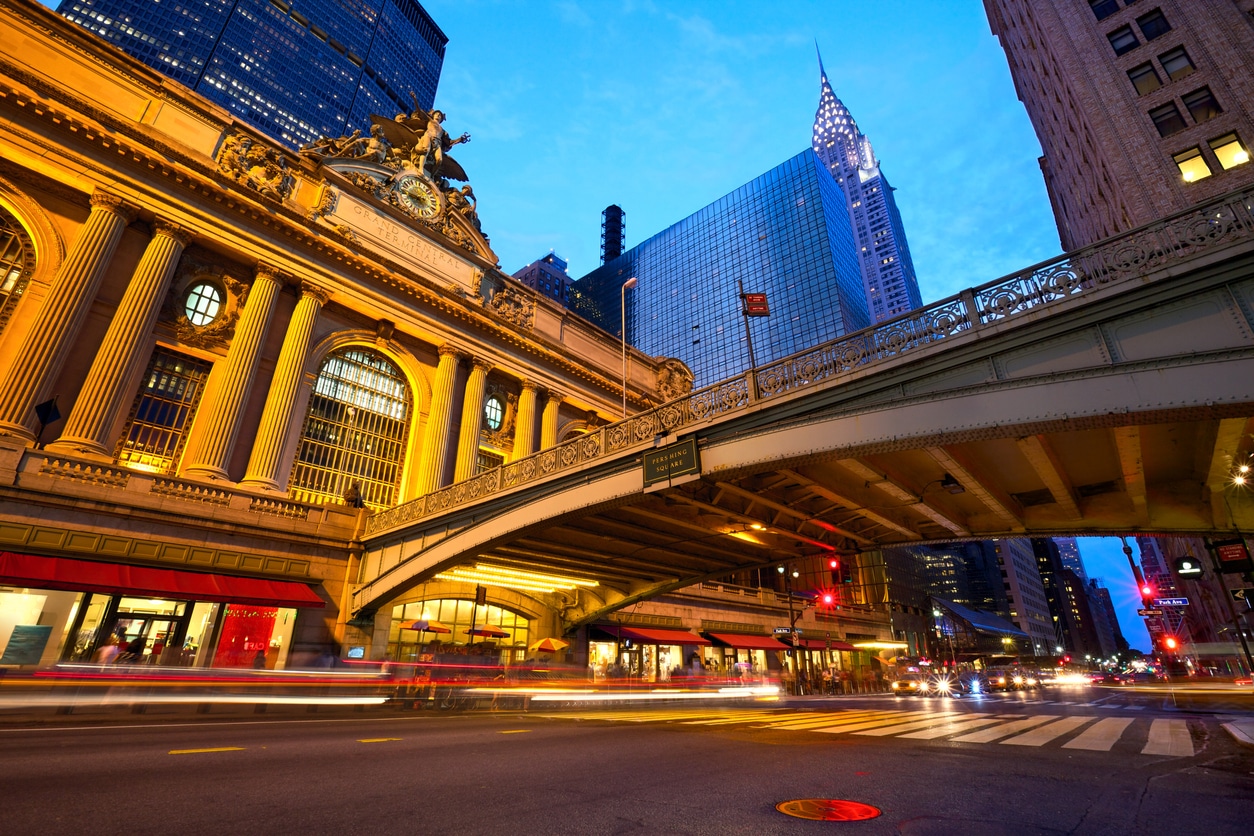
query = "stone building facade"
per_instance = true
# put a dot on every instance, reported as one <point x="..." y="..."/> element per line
<point x="218" y="356"/>
<point x="1141" y="108"/>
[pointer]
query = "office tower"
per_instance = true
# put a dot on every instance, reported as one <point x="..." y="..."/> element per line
<point x="1069" y="554"/>
<point x="1142" y="108"/>
<point x="548" y="277"/>
<point x="613" y="232"/>
<point x="294" y="69"/>
<point x="1021" y="580"/>
<point x="1109" y="636"/>
<point x="888" y="278"/>
<point x="785" y="234"/>
<point x="1049" y="566"/>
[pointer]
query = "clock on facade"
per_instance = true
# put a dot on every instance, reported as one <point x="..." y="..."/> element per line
<point x="418" y="197"/>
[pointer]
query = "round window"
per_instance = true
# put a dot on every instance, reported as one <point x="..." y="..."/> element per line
<point x="493" y="413"/>
<point x="204" y="301"/>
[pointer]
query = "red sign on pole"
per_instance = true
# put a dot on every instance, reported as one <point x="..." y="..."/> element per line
<point x="755" y="305"/>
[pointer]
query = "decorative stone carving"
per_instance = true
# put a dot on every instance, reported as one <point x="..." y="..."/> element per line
<point x="674" y="378"/>
<point x="513" y="307"/>
<point x="252" y="164"/>
<point x="326" y="204"/>
<point x="503" y="437"/>
<point x="196" y="266"/>
<point x="384" y="329"/>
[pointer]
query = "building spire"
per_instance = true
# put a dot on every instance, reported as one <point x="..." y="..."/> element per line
<point x="836" y="135"/>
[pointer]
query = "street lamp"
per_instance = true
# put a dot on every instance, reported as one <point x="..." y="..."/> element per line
<point x="789" y="574"/>
<point x="622" y="307"/>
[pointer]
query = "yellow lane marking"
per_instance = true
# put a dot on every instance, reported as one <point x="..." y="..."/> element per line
<point x="202" y="751"/>
<point x="514" y="731"/>
<point x="377" y="739"/>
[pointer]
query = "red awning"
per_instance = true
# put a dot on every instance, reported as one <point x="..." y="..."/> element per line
<point x="821" y="644"/>
<point x="93" y="576"/>
<point x="747" y="642"/>
<point x="652" y="635"/>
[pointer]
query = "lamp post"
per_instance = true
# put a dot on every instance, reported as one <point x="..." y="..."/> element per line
<point x="622" y="307"/>
<point x="790" y="573"/>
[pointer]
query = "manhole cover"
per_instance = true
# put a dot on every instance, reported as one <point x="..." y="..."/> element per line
<point x="827" y="809"/>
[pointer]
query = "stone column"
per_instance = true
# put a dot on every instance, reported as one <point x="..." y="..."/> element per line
<point x="276" y="418"/>
<point x="472" y="420"/>
<point x="435" y="434"/>
<point x="106" y="391"/>
<point x="525" y="423"/>
<point x="548" y="423"/>
<point x="38" y="360"/>
<point x="220" y="418"/>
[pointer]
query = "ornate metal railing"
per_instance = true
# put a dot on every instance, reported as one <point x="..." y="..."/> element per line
<point x="1117" y="260"/>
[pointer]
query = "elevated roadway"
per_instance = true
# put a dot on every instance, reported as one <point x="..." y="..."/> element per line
<point x="1108" y="391"/>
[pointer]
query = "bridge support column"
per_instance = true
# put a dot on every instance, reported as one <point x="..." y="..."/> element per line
<point x="267" y="456"/>
<point x="210" y="448"/>
<point x="57" y="323"/>
<point x="525" y="423"/>
<point x="435" y="434"/>
<point x="90" y="425"/>
<point x="472" y="420"/>
<point x="548" y="424"/>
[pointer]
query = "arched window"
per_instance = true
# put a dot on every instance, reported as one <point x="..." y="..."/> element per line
<point x="455" y="615"/>
<point x="17" y="263"/>
<point x="352" y="447"/>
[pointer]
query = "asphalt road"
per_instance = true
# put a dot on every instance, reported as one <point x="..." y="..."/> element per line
<point x="1026" y="766"/>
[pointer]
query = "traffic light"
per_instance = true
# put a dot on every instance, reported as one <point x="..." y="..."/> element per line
<point x="1170" y="644"/>
<point x="1147" y="594"/>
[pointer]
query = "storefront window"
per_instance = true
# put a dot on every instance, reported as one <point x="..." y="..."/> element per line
<point x="454" y="614"/>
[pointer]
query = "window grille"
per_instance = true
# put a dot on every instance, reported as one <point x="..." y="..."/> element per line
<point x="163" y="410"/>
<point x="355" y="432"/>
<point x="17" y="263"/>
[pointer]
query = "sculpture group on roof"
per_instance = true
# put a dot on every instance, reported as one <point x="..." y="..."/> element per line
<point x="412" y="145"/>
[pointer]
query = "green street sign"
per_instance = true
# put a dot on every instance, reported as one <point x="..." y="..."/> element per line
<point x="671" y="461"/>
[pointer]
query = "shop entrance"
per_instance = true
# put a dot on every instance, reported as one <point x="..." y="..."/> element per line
<point x="147" y="630"/>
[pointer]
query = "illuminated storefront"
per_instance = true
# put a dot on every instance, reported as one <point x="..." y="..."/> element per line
<point x="422" y="629"/>
<point x="65" y="610"/>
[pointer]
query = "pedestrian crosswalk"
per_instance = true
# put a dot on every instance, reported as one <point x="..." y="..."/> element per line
<point x="1165" y="736"/>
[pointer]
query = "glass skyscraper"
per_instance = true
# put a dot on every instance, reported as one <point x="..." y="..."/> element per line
<point x="293" y="69"/>
<point x="888" y="277"/>
<point x="786" y="234"/>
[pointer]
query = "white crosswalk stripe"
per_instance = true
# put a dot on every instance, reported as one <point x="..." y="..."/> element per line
<point x="932" y="722"/>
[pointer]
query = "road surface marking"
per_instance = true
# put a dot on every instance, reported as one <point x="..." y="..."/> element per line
<point x="1044" y="734"/>
<point x="203" y="751"/>
<point x="514" y="731"/>
<point x="377" y="739"/>
<point x="1100" y="737"/>
<point x="827" y="719"/>
<point x="884" y="731"/>
<point x="856" y="725"/>
<point x="953" y="728"/>
<point x="989" y="735"/>
<point x="1169" y="737"/>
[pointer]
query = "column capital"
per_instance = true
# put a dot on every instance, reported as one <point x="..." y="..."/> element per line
<point x="269" y="272"/>
<point x="113" y="203"/>
<point x="169" y="229"/>
<point x="554" y="397"/>
<point x="481" y="364"/>
<point x="317" y="291"/>
<point x="529" y="386"/>
<point x="450" y="350"/>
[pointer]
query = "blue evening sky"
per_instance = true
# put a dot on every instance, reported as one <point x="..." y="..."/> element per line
<point x="664" y="107"/>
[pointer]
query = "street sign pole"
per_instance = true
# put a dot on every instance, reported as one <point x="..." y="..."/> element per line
<point x="1236" y="623"/>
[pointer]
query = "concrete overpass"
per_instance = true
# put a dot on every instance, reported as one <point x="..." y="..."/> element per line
<point x="1108" y="391"/>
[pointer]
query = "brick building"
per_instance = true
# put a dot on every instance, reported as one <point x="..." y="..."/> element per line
<point x="1141" y="108"/>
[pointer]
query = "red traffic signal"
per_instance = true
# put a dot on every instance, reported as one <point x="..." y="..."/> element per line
<point x="1170" y="643"/>
<point x="833" y="564"/>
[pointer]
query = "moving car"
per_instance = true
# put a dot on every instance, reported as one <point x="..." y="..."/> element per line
<point x="964" y="683"/>
<point x="910" y="683"/>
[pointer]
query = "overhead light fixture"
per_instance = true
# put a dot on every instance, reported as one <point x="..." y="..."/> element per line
<point x="952" y="485"/>
<point x="513" y="578"/>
